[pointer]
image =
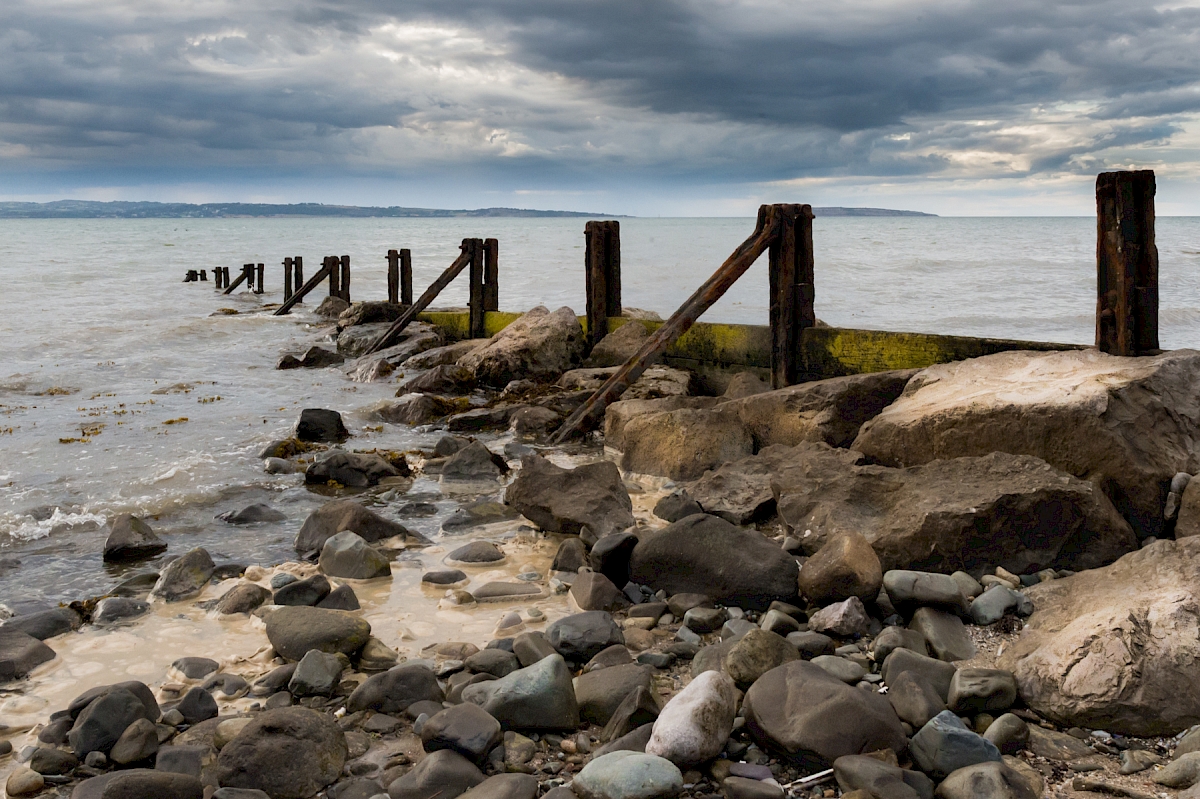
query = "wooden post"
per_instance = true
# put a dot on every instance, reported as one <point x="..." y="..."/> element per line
<point x="765" y="233"/>
<point x="393" y="259"/>
<point x="287" y="279"/>
<point x="1126" y="264"/>
<point x="332" y="265"/>
<point x="203" y="275"/>
<point x="298" y="277"/>
<point x="603" y="275"/>
<point x="406" y="295"/>
<point x="190" y="276"/>
<point x="346" y="278"/>
<point x="475" y="325"/>
<point x="246" y="275"/>
<point x="261" y="269"/>
<point x="791" y="281"/>
<point x="491" y="275"/>
<point x="430" y="294"/>
<point x="312" y="283"/>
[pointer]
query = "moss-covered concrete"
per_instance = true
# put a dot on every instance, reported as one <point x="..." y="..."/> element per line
<point x="826" y="351"/>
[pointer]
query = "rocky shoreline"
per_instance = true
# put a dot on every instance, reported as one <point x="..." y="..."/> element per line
<point x="972" y="581"/>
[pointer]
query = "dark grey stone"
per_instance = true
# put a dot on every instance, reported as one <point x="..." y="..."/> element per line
<point x="130" y="538"/>
<point x="118" y="608"/>
<point x="295" y="630"/>
<point x="184" y="577"/>
<point x="195" y="668"/>
<point x="674" y="507"/>
<point x="945" y="745"/>
<point x="308" y="592"/>
<point x="443" y="775"/>
<point x="610" y="556"/>
<point x="466" y="729"/>
<point x="45" y="623"/>
<point x="197" y="705"/>
<point x="538" y="697"/>
<point x="340" y="598"/>
<point x="322" y="425"/>
<point x="253" y="514"/>
<point x="290" y="753"/>
<point x="572" y="555"/>
<point x="395" y="689"/>
<point x="316" y="674"/>
<point x="580" y="636"/>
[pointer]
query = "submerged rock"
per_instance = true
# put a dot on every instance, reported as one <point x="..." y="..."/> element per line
<point x="313" y="358"/>
<point x="415" y="409"/>
<point x="253" y="514"/>
<point x="130" y="538"/>
<point x="540" y="345"/>
<point x="590" y="496"/>
<point x="20" y="653"/>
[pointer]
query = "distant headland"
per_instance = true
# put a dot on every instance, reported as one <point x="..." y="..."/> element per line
<point x="88" y="209"/>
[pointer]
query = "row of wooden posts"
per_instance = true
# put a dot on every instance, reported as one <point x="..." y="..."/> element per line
<point x="1126" y="310"/>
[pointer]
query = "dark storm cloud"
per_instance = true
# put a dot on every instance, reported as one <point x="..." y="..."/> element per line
<point x="680" y="91"/>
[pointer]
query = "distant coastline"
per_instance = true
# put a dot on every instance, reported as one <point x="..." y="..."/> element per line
<point x="88" y="209"/>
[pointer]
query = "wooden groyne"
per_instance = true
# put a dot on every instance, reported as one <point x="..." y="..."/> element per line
<point x="791" y="348"/>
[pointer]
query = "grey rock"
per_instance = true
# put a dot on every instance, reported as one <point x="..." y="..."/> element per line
<point x="197" y="705"/>
<point x="845" y="566"/>
<point x="634" y="741"/>
<point x="496" y="662"/>
<point x="893" y="638"/>
<point x="444" y="774"/>
<point x="704" y="554"/>
<point x="444" y="577"/>
<point x="908" y="590"/>
<point x="474" y="462"/>
<point x="581" y="636"/>
<point x="466" y="729"/>
<point x="945" y="745"/>
<point x="540" y="696"/>
<point x="352" y="469"/>
<point x="879" y="779"/>
<point x="975" y="691"/>
<point x="307" y="592"/>
<point x="845" y="670"/>
<point x="1183" y="772"/>
<point x="138" y="742"/>
<point x="610" y="556"/>
<point x="130" y="538"/>
<point x="1009" y="733"/>
<point x="778" y="622"/>
<point x="674" y="507"/>
<point x="348" y="556"/>
<point x="290" y="753"/>
<point x="476" y="553"/>
<point x="340" y="598"/>
<point x="986" y="781"/>
<point x="600" y="692"/>
<point x="591" y="497"/>
<point x="636" y="709"/>
<point x="316" y="674"/>
<point x="945" y="634"/>
<point x="52" y="762"/>
<point x="843" y="619"/>
<point x="628" y="775"/>
<point x="533" y="646"/>
<point x="184" y="577"/>
<point x="594" y="591"/>
<point x="571" y="556"/>
<point x="293" y="631"/>
<point x="505" y="786"/>
<point x="990" y="606"/>
<point x="151" y="784"/>
<point x="253" y="514"/>
<point x="939" y="673"/>
<point x="705" y="620"/>
<point x="480" y="512"/>
<point x="195" y="668"/>
<point x="1134" y="761"/>
<point x="45" y="624"/>
<point x="914" y="698"/>
<point x="239" y="793"/>
<point x="755" y="654"/>
<point x="242" y="598"/>
<point x="695" y="724"/>
<point x="321" y="425"/>
<point x="346" y="514"/>
<point x="100" y="724"/>
<point x="395" y="689"/>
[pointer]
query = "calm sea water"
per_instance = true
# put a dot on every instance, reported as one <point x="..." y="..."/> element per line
<point x="100" y="340"/>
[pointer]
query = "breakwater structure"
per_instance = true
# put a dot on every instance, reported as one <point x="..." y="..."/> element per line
<point x="794" y="347"/>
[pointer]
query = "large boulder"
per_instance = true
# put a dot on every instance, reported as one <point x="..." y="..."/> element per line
<point x="1115" y="648"/>
<point x="130" y="538"/>
<point x="184" y="577"/>
<point x="352" y="469"/>
<point x="540" y="345"/>
<point x="655" y="382"/>
<point x="295" y="629"/>
<point x="683" y="444"/>
<point x="346" y="514"/>
<point x="289" y="752"/>
<point x="967" y="514"/>
<point x="813" y="718"/>
<point x="705" y="555"/>
<point x="558" y="500"/>
<point x="1128" y="424"/>
<point x="395" y="689"/>
<point x="622" y="412"/>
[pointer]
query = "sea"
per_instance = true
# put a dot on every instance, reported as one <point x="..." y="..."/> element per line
<point x="125" y="389"/>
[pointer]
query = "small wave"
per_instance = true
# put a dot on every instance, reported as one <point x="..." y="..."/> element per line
<point x="23" y="527"/>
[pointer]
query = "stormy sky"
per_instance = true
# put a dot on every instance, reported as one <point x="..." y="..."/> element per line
<point x="671" y="107"/>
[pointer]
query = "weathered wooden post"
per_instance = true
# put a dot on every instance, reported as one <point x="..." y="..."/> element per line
<point x="335" y="274"/>
<point x="190" y="276"/>
<point x="261" y="270"/>
<point x="298" y="277"/>
<point x="393" y="259"/>
<point x="203" y="275"/>
<point x="475" y="279"/>
<point x="491" y="275"/>
<point x="791" y="282"/>
<point x="1126" y="264"/>
<point x="346" y="278"/>
<point x="406" y="296"/>
<point x="603" y="275"/>
<point x="287" y="279"/>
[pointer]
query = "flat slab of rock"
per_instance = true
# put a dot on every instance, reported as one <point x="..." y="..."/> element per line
<point x="1128" y="423"/>
<point x="655" y="382"/>
<point x="590" y="496"/>
<point x="1114" y="648"/>
<point x="628" y="775"/>
<point x="704" y="554"/>
<point x="928" y="517"/>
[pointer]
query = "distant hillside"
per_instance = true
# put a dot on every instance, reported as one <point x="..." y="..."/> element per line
<point x="85" y="209"/>
<point x="839" y="211"/>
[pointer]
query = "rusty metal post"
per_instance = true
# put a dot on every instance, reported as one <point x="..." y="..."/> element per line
<point x="791" y="281"/>
<point x="393" y="280"/>
<point x="1126" y="264"/>
<point x="406" y="296"/>
<point x="491" y="275"/>
<point x="346" y="278"/>
<point x="603" y="275"/>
